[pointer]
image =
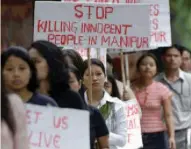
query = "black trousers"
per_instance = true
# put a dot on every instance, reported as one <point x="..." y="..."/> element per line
<point x="158" y="140"/>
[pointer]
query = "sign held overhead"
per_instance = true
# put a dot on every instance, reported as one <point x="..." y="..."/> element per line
<point x="93" y="25"/>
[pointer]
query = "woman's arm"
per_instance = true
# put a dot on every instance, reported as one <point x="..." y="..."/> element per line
<point x="103" y="142"/>
<point x="168" y="116"/>
<point x="119" y="136"/>
<point x="20" y="137"/>
<point x="169" y="121"/>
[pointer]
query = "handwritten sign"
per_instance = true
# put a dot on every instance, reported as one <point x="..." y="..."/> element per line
<point x="159" y="18"/>
<point x="134" y="138"/>
<point x="54" y="128"/>
<point x="93" y="25"/>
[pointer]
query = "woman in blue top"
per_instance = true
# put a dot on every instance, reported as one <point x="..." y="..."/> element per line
<point x="19" y="76"/>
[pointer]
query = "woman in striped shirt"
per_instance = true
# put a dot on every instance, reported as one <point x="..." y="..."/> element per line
<point x="154" y="98"/>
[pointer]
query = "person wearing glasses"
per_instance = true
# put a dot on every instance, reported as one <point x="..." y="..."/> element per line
<point x="179" y="82"/>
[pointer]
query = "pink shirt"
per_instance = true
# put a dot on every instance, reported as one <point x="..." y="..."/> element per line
<point x="20" y="138"/>
<point x="151" y="100"/>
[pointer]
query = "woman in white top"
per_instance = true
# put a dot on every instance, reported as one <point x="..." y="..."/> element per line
<point x="111" y="108"/>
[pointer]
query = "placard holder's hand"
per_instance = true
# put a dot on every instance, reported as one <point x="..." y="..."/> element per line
<point x="126" y="95"/>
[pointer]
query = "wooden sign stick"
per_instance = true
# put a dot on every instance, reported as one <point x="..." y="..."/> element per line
<point x="90" y="78"/>
<point x="122" y="68"/>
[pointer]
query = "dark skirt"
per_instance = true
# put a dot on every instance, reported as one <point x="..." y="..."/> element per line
<point x="158" y="140"/>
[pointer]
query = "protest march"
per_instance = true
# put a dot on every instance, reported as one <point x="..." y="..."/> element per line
<point x="96" y="74"/>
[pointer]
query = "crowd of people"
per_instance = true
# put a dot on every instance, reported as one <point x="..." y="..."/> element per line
<point x="46" y="75"/>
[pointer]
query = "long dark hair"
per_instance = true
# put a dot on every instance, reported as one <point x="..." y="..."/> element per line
<point x="22" y="54"/>
<point x="6" y="112"/>
<point x="75" y="70"/>
<point x="57" y="77"/>
<point x="75" y="57"/>
<point x="115" y="90"/>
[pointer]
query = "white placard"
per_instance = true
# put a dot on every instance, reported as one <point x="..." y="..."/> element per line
<point x="134" y="137"/>
<point x="159" y="19"/>
<point x="93" y="25"/>
<point x="55" y="128"/>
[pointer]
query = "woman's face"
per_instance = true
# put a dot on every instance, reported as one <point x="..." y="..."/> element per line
<point x="98" y="78"/>
<point x="147" y="67"/>
<point x="40" y="63"/>
<point x="16" y="74"/>
<point x="73" y="82"/>
<point x="108" y="87"/>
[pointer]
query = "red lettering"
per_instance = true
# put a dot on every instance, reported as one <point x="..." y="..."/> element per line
<point x="65" y="122"/>
<point x="114" y="42"/>
<point x="132" y="110"/>
<point x="44" y="140"/>
<point x="129" y="137"/>
<point x="51" y="37"/>
<point x="105" y="40"/>
<point x="89" y="11"/>
<point x="154" y="9"/>
<point x="28" y="116"/>
<point x="55" y="27"/>
<point x="145" y="42"/>
<point x="37" y="116"/>
<point x="131" y="1"/>
<point x="37" y="137"/>
<point x="101" y="12"/>
<point x="49" y="27"/>
<point x="61" y="122"/>
<point x="126" y="28"/>
<point x="47" y="140"/>
<point x="65" y="39"/>
<point x="124" y="41"/>
<point x="79" y="13"/>
<point x="57" y="39"/>
<point x="163" y="36"/>
<point x="101" y="28"/>
<point x="92" y="40"/>
<point x="56" y="141"/>
<point x="108" y="10"/>
<point x="132" y="124"/>
<point x="159" y="36"/>
<point x="155" y="23"/>
<point x="41" y="26"/>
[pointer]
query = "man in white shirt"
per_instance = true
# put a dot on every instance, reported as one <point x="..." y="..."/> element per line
<point x="179" y="82"/>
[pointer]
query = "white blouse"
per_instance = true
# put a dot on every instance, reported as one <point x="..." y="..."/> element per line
<point x="116" y="122"/>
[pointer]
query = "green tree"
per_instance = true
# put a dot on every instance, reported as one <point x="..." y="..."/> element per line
<point x="181" y="21"/>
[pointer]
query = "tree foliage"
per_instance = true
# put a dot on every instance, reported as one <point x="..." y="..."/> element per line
<point x="181" y="10"/>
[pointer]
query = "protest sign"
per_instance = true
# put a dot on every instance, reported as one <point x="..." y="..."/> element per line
<point x="92" y="25"/>
<point x="159" y="18"/>
<point x="55" y="128"/>
<point x="134" y="138"/>
<point x="160" y="22"/>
